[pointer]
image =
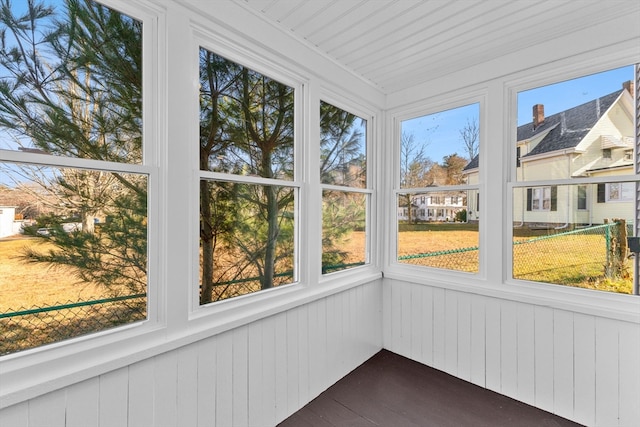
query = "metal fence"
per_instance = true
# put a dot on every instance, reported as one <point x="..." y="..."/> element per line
<point x="25" y="328"/>
<point x="462" y="259"/>
<point x="36" y="326"/>
<point x="569" y="258"/>
<point x="578" y="256"/>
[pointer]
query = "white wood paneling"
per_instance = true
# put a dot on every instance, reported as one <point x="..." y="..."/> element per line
<point x="256" y="375"/>
<point x="398" y="44"/>
<point x="526" y="350"/>
<point x="543" y="357"/>
<point x="82" y="404"/>
<point x="585" y="370"/>
<point x="579" y="366"/>
<point x="48" y="410"/>
<point x="607" y="373"/>
<point x="113" y="396"/>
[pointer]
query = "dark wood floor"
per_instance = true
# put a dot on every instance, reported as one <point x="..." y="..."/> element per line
<point x="393" y="391"/>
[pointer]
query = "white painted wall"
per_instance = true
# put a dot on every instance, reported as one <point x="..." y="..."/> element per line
<point x="579" y="366"/>
<point x="253" y="375"/>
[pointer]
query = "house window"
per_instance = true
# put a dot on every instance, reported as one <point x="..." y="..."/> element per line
<point x="542" y="198"/>
<point x="558" y="237"/>
<point x="345" y="193"/>
<point x="619" y="191"/>
<point x="81" y="179"/>
<point x="582" y="197"/>
<point x="247" y="189"/>
<point x="430" y="164"/>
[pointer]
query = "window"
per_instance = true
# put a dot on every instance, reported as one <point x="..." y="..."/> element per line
<point x="542" y="199"/>
<point x="345" y="193"/>
<point x="570" y="232"/>
<point x="582" y="197"/>
<point x="619" y="191"/>
<point x="247" y="189"/>
<point x="75" y="164"/>
<point x="439" y="160"/>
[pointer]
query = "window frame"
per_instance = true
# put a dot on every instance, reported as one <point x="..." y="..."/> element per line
<point x="206" y="39"/>
<point x="338" y="101"/>
<point x="613" y="304"/>
<point x="457" y="99"/>
<point x="64" y="361"/>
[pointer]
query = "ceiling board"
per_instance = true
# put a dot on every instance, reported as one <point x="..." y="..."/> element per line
<point x="395" y="44"/>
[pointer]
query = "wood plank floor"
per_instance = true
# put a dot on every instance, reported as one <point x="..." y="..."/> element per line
<point x="393" y="391"/>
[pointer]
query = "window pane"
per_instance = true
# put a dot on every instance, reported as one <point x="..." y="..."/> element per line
<point x="79" y="93"/>
<point x="246" y="238"/>
<point x="440" y="149"/>
<point x="343" y="152"/>
<point x="442" y="235"/>
<point x="246" y="120"/>
<point x="574" y="245"/>
<point x="589" y="119"/>
<point x="73" y="253"/>
<point x="344" y="239"/>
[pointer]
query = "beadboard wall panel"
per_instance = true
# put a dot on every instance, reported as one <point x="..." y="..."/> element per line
<point x="254" y="375"/>
<point x="575" y="365"/>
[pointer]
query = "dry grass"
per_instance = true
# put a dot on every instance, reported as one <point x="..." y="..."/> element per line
<point x="27" y="285"/>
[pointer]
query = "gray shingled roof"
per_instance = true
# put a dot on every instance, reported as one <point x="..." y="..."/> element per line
<point x="570" y="127"/>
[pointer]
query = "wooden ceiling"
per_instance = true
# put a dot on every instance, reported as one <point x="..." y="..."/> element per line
<point x="395" y="44"/>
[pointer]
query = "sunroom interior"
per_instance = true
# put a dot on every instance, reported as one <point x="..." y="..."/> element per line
<point x="256" y="359"/>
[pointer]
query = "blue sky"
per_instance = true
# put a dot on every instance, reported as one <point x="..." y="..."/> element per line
<point x="441" y="131"/>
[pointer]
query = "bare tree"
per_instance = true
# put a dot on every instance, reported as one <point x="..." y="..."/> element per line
<point x="470" y="136"/>
<point x="415" y="167"/>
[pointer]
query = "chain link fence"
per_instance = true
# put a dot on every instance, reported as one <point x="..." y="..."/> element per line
<point x="578" y="257"/>
<point x="581" y="257"/>
<point x="462" y="259"/>
<point x="28" y="328"/>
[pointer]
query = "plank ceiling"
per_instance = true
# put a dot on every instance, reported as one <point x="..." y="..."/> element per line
<point x="396" y="44"/>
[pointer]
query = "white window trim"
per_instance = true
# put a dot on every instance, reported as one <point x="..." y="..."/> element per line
<point x="541" y="199"/>
<point x="392" y="267"/>
<point x="32" y="372"/>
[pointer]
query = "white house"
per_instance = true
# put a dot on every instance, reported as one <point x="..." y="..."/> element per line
<point x="434" y="206"/>
<point x="593" y="139"/>
<point x="257" y="359"/>
<point x="7" y="217"/>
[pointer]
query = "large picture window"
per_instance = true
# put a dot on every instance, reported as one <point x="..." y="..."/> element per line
<point x="74" y="181"/>
<point x="247" y="194"/>
<point x="437" y="202"/>
<point x="574" y="231"/>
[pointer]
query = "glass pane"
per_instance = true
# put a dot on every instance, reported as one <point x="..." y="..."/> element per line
<point x="440" y="149"/>
<point x="343" y="149"/>
<point x="77" y="93"/>
<point x="246" y="238"/>
<point x="589" y="119"/>
<point x="344" y="237"/>
<point x="580" y="240"/>
<point x="246" y="120"/>
<point x="73" y="253"/>
<point x="439" y="229"/>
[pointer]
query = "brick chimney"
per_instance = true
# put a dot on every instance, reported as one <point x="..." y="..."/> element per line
<point x="629" y="86"/>
<point x="538" y="115"/>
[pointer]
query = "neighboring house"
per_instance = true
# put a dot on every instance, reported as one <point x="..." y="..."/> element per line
<point x="436" y="206"/>
<point x="591" y="139"/>
<point x="7" y="217"/>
